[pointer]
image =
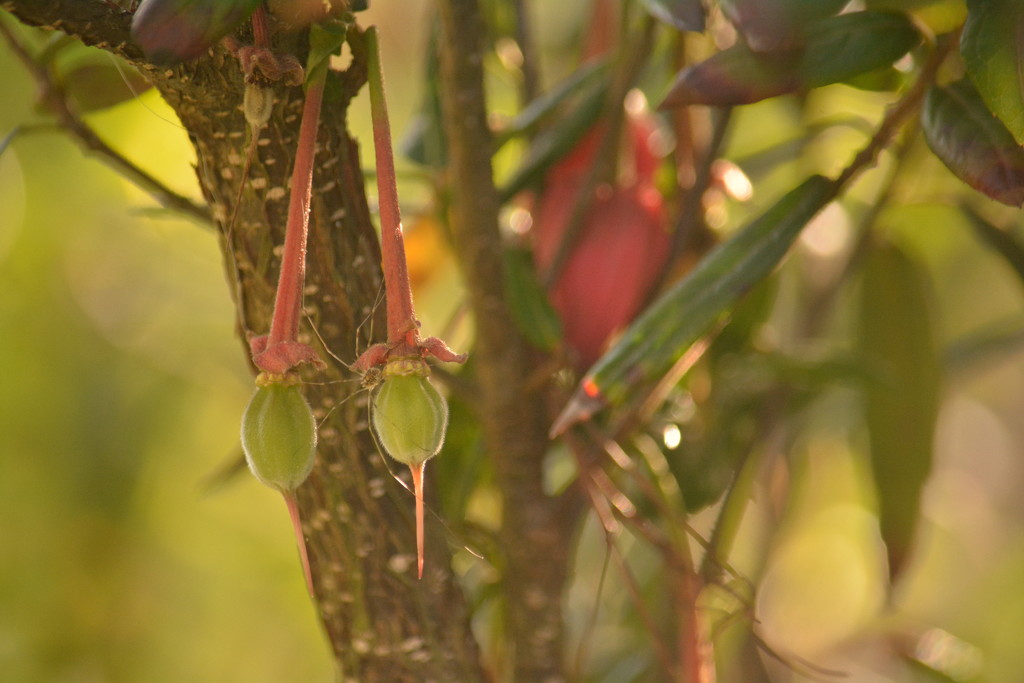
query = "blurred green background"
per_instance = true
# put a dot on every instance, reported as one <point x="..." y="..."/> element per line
<point x="121" y="387"/>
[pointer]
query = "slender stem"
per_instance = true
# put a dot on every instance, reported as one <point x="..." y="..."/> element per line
<point x="605" y="161"/>
<point x="260" y="30"/>
<point x="820" y="303"/>
<point x="899" y="113"/>
<point x="999" y="240"/>
<point x="691" y="210"/>
<point x="524" y="37"/>
<point x="55" y="99"/>
<point x="401" y="317"/>
<point x="288" y="303"/>
<point x="536" y="529"/>
<point x="300" y="539"/>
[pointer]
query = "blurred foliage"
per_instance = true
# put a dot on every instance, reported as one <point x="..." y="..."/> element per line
<point x="832" y="401"/>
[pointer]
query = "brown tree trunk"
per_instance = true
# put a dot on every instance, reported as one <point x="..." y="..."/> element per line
<point x="536" y="528"/>
<point x="383" y="624"/>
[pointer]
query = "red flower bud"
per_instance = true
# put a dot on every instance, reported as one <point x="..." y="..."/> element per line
<point x="620" y="249"/>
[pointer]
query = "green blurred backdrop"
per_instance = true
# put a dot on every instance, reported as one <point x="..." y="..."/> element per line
<point x="122" y="383"/>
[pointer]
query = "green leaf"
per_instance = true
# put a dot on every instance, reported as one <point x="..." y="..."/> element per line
<point x="172" y="31"/>
<point x="680" y="317"/>
<point x="998" y="239"/>
<point x="325" y="40"/>
<point x="462" y="464"/>
<point x="528" y="301"/>
<point x="936" y="16"/>
<point x="769" y="25"/>
<point x="901" y="5"/>
<point x="992" y="46"/>
<point x="424" y="139"/>
<point x="587" y="78"/>
<point x="972" y="143"/>
<point x="685" y="15"/>
<point x="837" y="48"/>
<point x="897" y="340"/>
<point x="886" y="79"/>
<point x="554" y="143"/>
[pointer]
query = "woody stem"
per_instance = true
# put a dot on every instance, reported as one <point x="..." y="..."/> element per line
<point x="401" y="317"/>
<point x="260" y="30"/>
<point x="288" y="303"/>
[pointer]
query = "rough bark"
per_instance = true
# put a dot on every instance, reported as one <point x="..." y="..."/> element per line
<point x="383" y="624"/>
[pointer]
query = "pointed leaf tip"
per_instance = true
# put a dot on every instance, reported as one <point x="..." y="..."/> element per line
<point x="585" y="402"/>
<point x="672" y="326"/>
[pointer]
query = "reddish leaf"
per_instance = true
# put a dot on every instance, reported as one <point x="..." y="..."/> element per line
<point x="993" y="51"/>
<point x="771" y="25"/>
<point x="973" y="143"/>
<point x="622" y="246"/>
<point x="836" y="49"/>
<point x="172" y="31"/>
<point x="612" y="265"/>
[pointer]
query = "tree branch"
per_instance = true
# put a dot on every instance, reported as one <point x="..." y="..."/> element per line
<point x="535" y="533"/>
<point x="55" y="99"/>
<point x="382" y="624"/>
<point x="93" y="22"/>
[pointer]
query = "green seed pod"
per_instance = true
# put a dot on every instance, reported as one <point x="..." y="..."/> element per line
<point x="279" y="435"/>
<point x="410" y="417"/>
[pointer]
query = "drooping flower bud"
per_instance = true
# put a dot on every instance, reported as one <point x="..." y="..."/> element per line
<point x="620" y="249"/>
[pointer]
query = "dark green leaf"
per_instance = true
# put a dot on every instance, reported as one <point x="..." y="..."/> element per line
<point x="975" y="145"/>
<point x="585" y="79"/>
<point x="325" y="40"/>
<point x="837" y="48"/>
<point x="528" y="301"/>
<point x="462" y="465"/>
<point x="897" y="339"/>
<point x="998" y="239"/>
<point x="685" y="15"/>
<point x="771" y="25"/>
<point x="554" y="143"/>
<point x="705" y="462"/>
<point x="424" y="139"/>
<point x="172" y="31"/>
<point x="993" y="49"/>
<point x="901" y="5"/>
<point x="673" y="323"/>
<point x="886" y="79"/>
<point x="746" y="318"/>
